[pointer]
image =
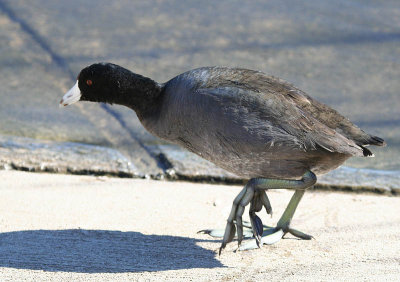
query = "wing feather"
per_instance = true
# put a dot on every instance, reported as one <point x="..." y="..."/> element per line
<point x="308" y="124"/>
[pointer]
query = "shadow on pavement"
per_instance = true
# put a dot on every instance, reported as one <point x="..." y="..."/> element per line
<point x="101" y="251"/>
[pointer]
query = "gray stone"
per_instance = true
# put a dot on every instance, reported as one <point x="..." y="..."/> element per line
<point x="355" y="179"/>
<point x="184" y="165"/>
<point x="28" y="154"/>
<point x="21" y="153"/>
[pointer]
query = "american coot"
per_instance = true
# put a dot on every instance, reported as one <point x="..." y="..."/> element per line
<point x="256" y="126"/>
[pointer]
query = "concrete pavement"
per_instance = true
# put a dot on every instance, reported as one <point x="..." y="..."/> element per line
<point x="83" y="228"/>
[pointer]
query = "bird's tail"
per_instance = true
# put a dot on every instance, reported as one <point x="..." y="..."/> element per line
<point x="373" y="140"/>
<point x="377" y="141"/>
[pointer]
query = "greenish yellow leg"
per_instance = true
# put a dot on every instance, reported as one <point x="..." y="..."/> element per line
<point x="254" y="193"/>
<point x="275" y="234"/>
<point x="251" y="193"/>
<point x="287" y="215"/>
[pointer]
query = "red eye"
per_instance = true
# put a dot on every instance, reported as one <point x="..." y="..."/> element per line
<point x="89" y="82"/>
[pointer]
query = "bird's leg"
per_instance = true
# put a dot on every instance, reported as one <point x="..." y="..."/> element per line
<point x="284" y="221"/>
<point x="275" y="234"/>
<point x="238" y="206"/>
<point x="265" y="201"/>
<point x="230" y="229"/>
<point x="254" y="192"/>
<point x="250" y="229"/>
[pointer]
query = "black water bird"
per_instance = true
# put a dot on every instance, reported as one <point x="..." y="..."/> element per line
<point x="256" y="126"/>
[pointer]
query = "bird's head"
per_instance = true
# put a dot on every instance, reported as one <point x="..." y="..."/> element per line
<point x="113" y="84"/>
<point x="99" y="82"/>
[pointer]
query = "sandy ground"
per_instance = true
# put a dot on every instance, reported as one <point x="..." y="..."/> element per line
<point x="63" y="227"/>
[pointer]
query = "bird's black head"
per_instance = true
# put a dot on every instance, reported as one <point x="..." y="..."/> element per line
<point x="110" y="83"/>
<point x="100" y="82"/>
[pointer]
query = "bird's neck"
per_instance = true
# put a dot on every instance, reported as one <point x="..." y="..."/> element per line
<point x="137" y="92"/>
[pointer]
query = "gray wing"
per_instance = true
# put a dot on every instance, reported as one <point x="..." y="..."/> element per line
<point x="284" y="114"/>
<point x="330" y="117"/>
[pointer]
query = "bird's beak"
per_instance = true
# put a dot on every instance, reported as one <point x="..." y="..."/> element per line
<point x="72" y="96"/>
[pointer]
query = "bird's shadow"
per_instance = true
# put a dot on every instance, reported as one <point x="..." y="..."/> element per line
<point x="101" y="251"/>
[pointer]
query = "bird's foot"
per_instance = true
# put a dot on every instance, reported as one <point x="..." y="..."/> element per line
<point x="234" y="225"/>
<point x="259" y="200"/>
<point x="272" y="236"/>
<point x="269" y="236"/>
<point x="219" y="233"/>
